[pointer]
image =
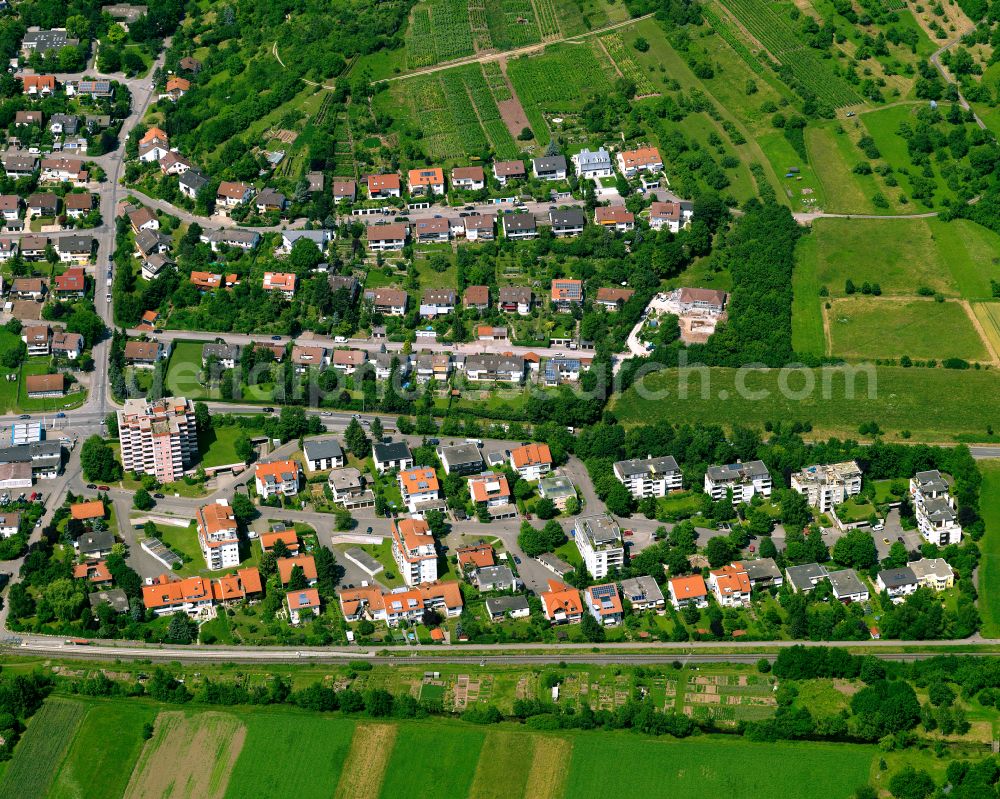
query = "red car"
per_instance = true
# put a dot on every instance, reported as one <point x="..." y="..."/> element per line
<point x="627" y="532"/>
<point x="104" y="488"/>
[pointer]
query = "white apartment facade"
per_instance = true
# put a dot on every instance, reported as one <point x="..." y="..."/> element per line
<point x="599" y="541"/>
<point x="218" y="535"/>
<point x="414" y="552"/>
<point x="650" y="477"/>
<point x="745" y="480"/>
<point x="826" y="486"/>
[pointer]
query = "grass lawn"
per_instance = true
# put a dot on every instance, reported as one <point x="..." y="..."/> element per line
<point x="884" y="492"/>
<point x="884" y="327"/>
<point x="184" y="369"/>
<point x="854" y="511"/>
<point x="686" y="502"/>
<point x="218" y="445"/>
<point x="989" y="566"/>
<point x="383" y="554"/>
<point x="896" y="398"/>
<point x="183" y="540"/>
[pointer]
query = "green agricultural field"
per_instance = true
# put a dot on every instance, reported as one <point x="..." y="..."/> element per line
<point x="111" y="734"/>
<point x="446" y="775"/>
<point x="989" y="565"/>
<point x="692" y="769"/>
<point x="988" y="314"/>
<point x="314" y="750"/>
<point x="902" y="255"/>
<point x="966" y="403"/>
<point x="39" y="753"/>
<point x="886" y="327"/>
<point x="803" y="190"/>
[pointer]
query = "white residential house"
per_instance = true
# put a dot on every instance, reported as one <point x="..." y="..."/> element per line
<point x="829" y="485"/>
<point x="651" y="477"/>
<point x="394" y="455"/>
<point x="745" y="480"/>
<point x="322" y="454"/>
<point x="531" y="461"/>
<point x="590" y="164"/>
<point x="599" y="541"/>
<point x="897" y="583"/>
<point x="418" y="486"/>
<point x="277" y="478"/>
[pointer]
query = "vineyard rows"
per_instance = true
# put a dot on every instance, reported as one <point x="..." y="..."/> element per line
<point x="548" y="20"/>
<point x="457" y="113"/>
<point x="480" y="27"/>
<point x="723" y="28"/>
<point x="564" y="76"/>
<point x="496" y="81"/>
<point x="615" y="46"/>
<point x="771" y="31"/>
<point x="420" y="50"/>
<point x="512" y="23"/>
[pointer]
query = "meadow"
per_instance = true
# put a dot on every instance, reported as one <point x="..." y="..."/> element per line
<point x="965" y="403"/>
<point x="887" y="327"/>
<point x="283" y="752"/>
<point x="902" y="255"/>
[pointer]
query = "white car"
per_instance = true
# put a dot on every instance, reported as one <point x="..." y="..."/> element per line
<point x="878" y="528"/>
<point x="107" y="298"/>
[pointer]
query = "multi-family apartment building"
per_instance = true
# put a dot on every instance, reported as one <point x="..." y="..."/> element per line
<point x="599" y="540"/>
<point x="650" y="477"/>
<point x="414" y="552"/>
<point x="826" y="486"/>
<point x="744" y="479"/>
<point x="158" y="438"/>
<point x="934" y="507"/>
<point x="218" y="535"/>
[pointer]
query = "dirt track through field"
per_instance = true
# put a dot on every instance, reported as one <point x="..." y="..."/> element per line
<point x="188" y="757"/>
<point x="364" y="768"/>
<point x="549" y="767"/>
<point x="977" y="323"/>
